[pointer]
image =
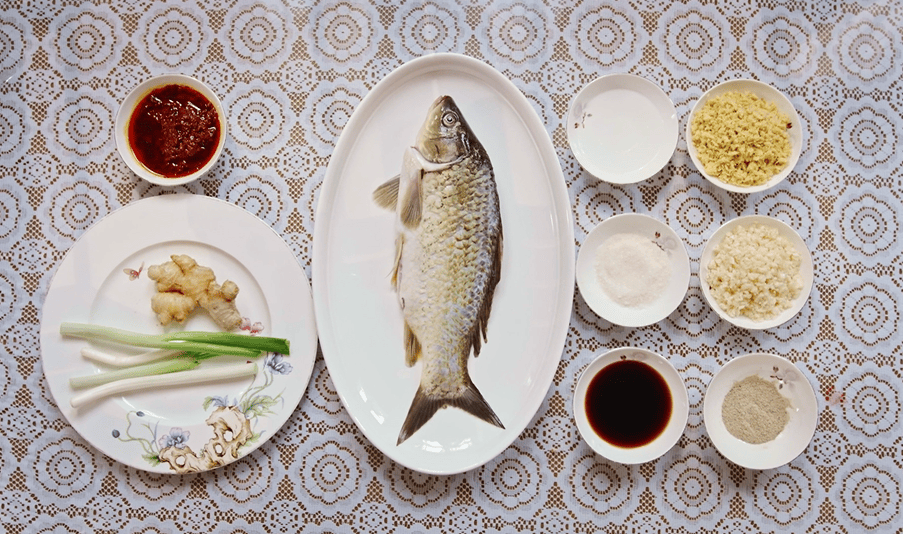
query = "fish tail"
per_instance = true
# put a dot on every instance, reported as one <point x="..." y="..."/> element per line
<point x="424" y="407"/>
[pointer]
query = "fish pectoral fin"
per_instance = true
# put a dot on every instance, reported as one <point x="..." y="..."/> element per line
<point x="412" y="203"/>
<point x="396" y="265"/>
<point x="424" y="407"/>
<point x="412" y="347"/>
<point x="386" y="195"/>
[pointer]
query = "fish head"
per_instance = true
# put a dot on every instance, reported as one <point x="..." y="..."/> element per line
<point x="445" y="136"/>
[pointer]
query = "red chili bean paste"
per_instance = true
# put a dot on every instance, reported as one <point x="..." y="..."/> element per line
<point x="174" y="130"/>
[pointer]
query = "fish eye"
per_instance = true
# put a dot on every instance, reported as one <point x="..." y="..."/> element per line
<point x="449" y="119"/>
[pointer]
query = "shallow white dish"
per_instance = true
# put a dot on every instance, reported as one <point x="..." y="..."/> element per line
<point x="93" y="285"/>
<point x="622" y="128"/>
<point x="680" y="407"/>
<point x="655" y="231"/>
<point x="123" y="117"/>
<point x="766" y="92"/>
<point x="795" y="437"/>
<point x="806" y="270"/>
<point x="358" y="314"/>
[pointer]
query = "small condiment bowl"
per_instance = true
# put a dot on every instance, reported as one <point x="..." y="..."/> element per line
<point x="124" y="116"/>
<point x="794" y="386"/>
<point x="767" y="93"/>
<point x="659" y="233"/>
<point x="622" y="128"/>
<point x="807" y="270"/>
<point x="674" y="429"/>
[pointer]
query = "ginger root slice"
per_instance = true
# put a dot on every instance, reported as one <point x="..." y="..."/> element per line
<point x="182" y="285"/>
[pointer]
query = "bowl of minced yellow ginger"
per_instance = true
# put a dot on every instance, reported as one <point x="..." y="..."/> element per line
<point x="744" y="136"/>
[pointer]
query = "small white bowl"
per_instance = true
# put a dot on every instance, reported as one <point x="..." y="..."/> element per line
<point x="622" y="128"/>
<point x="806" y="270"/>
<point x="680" y="407"/>
<point x="795" y="437"/>
<point x="768" y="93"/>
<point x="125" y="114"/>
<point x="657" y="232"/>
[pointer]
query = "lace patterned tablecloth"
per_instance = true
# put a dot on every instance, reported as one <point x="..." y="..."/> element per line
<point x="290" y="77"/>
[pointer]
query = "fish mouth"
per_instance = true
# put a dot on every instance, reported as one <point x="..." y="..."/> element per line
<point x="444" y="164"/>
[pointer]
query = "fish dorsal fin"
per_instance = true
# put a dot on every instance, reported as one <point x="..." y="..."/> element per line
<point x="412" y="203"/>
<point x="412" y="346"/>
<point x="386" y="195"/>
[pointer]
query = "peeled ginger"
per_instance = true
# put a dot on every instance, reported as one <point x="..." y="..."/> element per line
<point x="182" y="285"/>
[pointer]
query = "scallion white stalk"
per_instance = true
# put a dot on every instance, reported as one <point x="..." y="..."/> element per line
<point x="122" y="360"/>
<point x="195" y="376"/>
<point x="155" y="368"/>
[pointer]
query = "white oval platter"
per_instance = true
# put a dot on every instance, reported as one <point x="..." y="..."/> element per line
<point x="358" y="315"/>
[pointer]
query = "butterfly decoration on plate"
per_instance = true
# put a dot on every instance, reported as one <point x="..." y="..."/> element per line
<point x="133" y="274"/>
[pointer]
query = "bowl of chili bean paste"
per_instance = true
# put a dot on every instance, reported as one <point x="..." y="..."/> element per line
<point x="171" y="129"/>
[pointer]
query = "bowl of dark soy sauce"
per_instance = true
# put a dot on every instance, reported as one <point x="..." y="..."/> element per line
<point x="631" y="405"/>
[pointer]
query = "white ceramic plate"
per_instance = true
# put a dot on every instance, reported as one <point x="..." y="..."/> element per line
<point x="622" y="128"/>
<point x="806" y="270"/>
<point x="358" y="314"/>
<point x="803" y="413"/>
<point x="655" y="231"/>
<point x="680" y="407"/>
<point x="766" y="92"/>
<point x="92" y="286"/>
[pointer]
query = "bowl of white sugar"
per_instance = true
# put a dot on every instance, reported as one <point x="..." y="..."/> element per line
<point x="756" y="272"/>
<point x="760" y="411"/>
<point x="633" y="270"/>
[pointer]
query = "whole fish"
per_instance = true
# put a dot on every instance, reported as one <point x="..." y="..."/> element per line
<point x="448" y="260"/>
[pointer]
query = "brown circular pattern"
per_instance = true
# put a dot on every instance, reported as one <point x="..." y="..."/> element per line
<point x="870" y="224"/>
<point x="693" y="40"/>
<point x="511" y="480"/>
<point x="518" y="33"/>
<point x="601" y="486"/>
<point x="871" y="404"/>
<point x="330" y="472"/>
<point x="418" y="489"/>
<point x="429" y="27"/>
<point x="291" y="75"/>
<point x="604" y="35"/>
<point x="784" y="495"/>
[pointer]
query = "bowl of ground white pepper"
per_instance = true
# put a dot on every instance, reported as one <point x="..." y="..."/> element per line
<point x="760" y="411"/>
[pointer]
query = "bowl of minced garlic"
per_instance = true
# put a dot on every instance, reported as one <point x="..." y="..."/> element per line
<point x="744" y="136"/>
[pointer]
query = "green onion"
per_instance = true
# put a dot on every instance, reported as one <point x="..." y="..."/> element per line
<point x="205" y="342"/>
<point x="156" y="368"/>
<point x="122" y="360"/>
<point x="196" y="376"/>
